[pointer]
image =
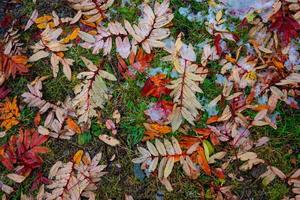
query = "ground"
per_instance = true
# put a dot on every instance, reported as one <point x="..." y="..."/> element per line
<point x="282" y="151"/>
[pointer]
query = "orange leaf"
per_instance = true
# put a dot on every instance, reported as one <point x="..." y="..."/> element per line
<point x="92" y="32"/>
<point x="37" y="119"/>
<point x="230" y="59"/>
<point x="71" y="124"/>
<point x="9" y="113"/>
<point x="19" y="59"/>
<point x="155" y="130"/>
<point x="203" y="131"/>
<point x="250" y="97"/>
<point x="77" y="157"/>
<point x="161" y="128"/>
<point x="187" y="141"/>
<point x="277" y="63"/>
<point x="212" y="119"/>
<point x="12" y="65"/>
<point x="1" y="151"/>
<point x="90" y="24"/>
<point x="202" y="161"/>
<point x="72" y="36"/>
<point x="261" y="107"/>
<point x="60" y="54"/>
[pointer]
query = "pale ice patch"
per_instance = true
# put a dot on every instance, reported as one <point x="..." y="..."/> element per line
<point x="240" y="8"/>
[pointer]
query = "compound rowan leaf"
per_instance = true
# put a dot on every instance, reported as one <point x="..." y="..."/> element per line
<point x="9" y="114"/>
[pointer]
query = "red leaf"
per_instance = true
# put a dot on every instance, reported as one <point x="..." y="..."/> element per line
<point x="12" y="65"/>
<point x="4" y="92"/>
<point x="214" y="139"/>
<point x="218" y="172"/>
<point x="23" y="150"/>
<point x="7" y="163"/>
<point x="217" y="43"/>
<point x="38" y="139"/>
<point x="5" y="22"/>
<point x="40" y="179"/>
<point x="27" y="139"/>
<point x="138" y="62"/>
<point x="203" y="131"/>
<point x="156" y="86"/>
<point x="287" y="27"/>
<point x="38" y="149"/>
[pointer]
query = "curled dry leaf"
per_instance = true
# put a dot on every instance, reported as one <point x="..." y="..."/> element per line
<point x="109" y="140"/>
<point x="6" y="188"/>
<point x="16" y="178"/>
<point x="117" y="116"/>
<point x="31" y="20"/>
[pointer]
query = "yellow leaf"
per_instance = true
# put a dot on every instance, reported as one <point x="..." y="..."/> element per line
<point x="51" y="24"/>
<point x="251" y="76"/>
<point x="219" y="15"/>
<point x="212" y="3"/>
<point x="42" y="25"/>
<point x="43" y="19"/>
<point x="74" y="34"/>
<point x="77" y="157"/>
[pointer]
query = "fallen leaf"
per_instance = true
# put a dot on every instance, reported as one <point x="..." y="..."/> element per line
<point x="109" y="140"/>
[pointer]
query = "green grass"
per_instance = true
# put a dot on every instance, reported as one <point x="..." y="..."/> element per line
<point x="195" y="32"/>
<point x="132" y="111"/>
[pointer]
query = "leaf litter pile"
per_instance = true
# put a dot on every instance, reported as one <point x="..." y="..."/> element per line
<point x="167" y="95"/>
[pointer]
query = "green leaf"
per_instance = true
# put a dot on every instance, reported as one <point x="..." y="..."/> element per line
<point x="95" y="129"/>
<point x="208" y="149"/>
<point x="84" y="138"/>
